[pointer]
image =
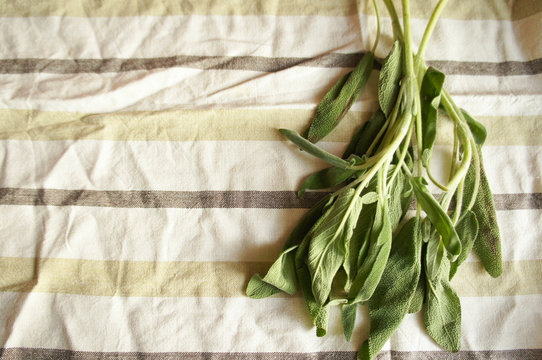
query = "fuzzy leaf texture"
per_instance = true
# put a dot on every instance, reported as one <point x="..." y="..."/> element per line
<point x="339" y="99"/>
<point x="467" y="230"/>
<point x="488" y="242"/>
<point x="442" y="311"/>
<point x="390" y="74"/>
<point x="328" y="241"/>
<point x="391" y="299"/>
<point x="325" y="178"/>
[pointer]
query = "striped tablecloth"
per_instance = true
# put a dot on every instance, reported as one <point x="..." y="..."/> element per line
<point x="142" y="179"/>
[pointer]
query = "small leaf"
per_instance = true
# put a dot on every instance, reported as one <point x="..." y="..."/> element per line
<point x="369" y="197"/>
<point x="349" y="319"/>
<point x="467" y="230"/>
<point x="478" y="131"/>
<point x="362" y="139"/>
<point x="431" y="88"/>
<point x="281" y="275"/>
<point x="388" y="82"/>
<point x="314" y="150"/>
<point x="392" y="297"/>
<point x="257" y="288"/>
<point x="442" y="311"/>
<point x="339" y="99"/>
<point x="325" y="178"/>
<point x="438" y="217"/>
<point x="488" y="242"/>
<point x="328" y="241"/>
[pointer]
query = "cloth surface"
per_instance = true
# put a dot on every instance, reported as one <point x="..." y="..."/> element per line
<point x="143" y="182"/>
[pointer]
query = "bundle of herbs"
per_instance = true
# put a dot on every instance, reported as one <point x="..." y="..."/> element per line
<point x="357" y="245"/>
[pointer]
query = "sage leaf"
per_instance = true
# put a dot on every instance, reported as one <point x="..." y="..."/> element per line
<point x="392" y="297"/>
<point x="438" y="217"/>
<point x="328" y="241"/>
<point x="416" y="303"/>
<point x="319" y="314"/>
<point x="348" y="312"/>
<point x="325" y="178"/>
<point x="371" y="269"/>
<point x="434" y="256"/>
<point x="400" y="199"/>
<point x="339" y="99"/>
<point x="388" y="82"/>
<point x="478" y="131"/>
<point x="363" y="138"/>
<point x="442" y="311"/>
<point x="488" y="242"/>
<point x="467" y="230"/>
<point x="281" y="275"/>
<point x="259" y="288"/>
<point x="314" y="150"/>
<point x="430" y="91"/>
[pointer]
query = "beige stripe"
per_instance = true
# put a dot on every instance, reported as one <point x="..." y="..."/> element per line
<point x="221" y="124"/>
<point x="211" y="279"/>
<point x="489" y="9"/>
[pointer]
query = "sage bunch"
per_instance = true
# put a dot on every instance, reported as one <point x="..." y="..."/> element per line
<point x="357" y="246"/>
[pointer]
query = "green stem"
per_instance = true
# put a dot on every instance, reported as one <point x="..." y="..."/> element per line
<point x="402" y="155"/>
<point x="429" y="29"/>
<point x="377" y="39"/>
<point x="397" y="30"/>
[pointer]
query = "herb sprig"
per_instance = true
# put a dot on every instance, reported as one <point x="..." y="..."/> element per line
<point x="356" y="246"/>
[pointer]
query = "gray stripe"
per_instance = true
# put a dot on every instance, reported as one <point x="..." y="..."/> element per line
<point x="203" y="199"/>
<point x="38" y="354"/>
<point x="255" y="63"/>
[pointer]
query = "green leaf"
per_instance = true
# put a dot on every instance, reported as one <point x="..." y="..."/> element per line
<point x="388" y="82"/>
<point x="259" y="288"/>
<point x="314" y="150"/>
<point x="434" y="256"/>
<point x="319" y="314"/>
<point x="488" y="242"/>
<point x="400" y="199"/>
<point x="478" y="131"/>
<point x="438" y="217"/>
<point x="328" y="241"/>
<point x="325" y="178"/>
<point x="339" y="99"/>
<point x="467" y="230"/>
<point x="371" y="269"/>
<point x="442" y="311"/>
<point x="363" y="138"/>
<point x="418" y="299"/>
<point x="392" y="297"/>
<point x="430" y="99"/>
<point x="348" y="312"/>
<point x="281" y="275"/>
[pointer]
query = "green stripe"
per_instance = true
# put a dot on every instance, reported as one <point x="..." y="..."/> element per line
<point x="210" y="279"/>
<point x="222" y="124"/>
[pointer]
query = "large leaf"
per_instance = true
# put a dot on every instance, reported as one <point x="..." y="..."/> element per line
<point x="328" y="241"/>
<point x="488" y="242"/>
<point x="438" y="217"/>
<point x="442" y="311"/>
<point x="390" y="301"/>
<point x="339" y="99"/>
<point x="388" y="82"/>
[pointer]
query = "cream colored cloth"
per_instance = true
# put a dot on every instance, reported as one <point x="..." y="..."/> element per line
<point x="142" y="179"/>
